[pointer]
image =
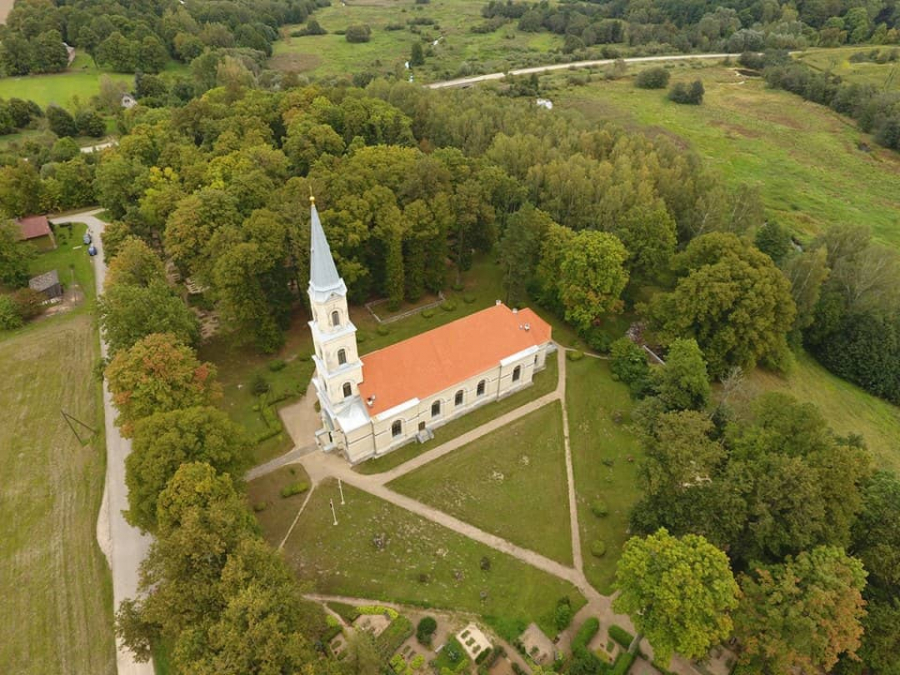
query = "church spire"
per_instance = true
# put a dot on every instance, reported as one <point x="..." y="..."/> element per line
<point x="323" y="275"/>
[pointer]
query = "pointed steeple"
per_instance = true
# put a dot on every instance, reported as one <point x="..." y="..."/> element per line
<point x="323" y="275"/>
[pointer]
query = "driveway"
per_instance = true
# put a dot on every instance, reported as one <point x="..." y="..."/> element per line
<point x="125" y="547"/>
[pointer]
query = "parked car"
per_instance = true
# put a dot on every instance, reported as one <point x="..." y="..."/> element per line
<point x="87" y="239"/>
<point x="92" y="250"/>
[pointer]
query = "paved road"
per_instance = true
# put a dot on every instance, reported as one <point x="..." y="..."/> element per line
<point x="97" y="148"/>
<point x="468" y="81"/>
<point x="123" y="544"/>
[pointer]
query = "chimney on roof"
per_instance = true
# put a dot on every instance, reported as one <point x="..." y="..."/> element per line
<point x="527" y="326"/>
<point x="515" y="310"/>
<point x="370" y="401"/>
<point x="499" y="302"/>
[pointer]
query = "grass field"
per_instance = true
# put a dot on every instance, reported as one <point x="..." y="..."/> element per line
<point x="846" y="407"/>
<point x="544" y="383"/>
<point x="511" y="483"/>
<point x="605" y="458"/>
<point x="805" y="158"/>
<point x="54" y="581"/>
<point x="81" y="80"/>
<point x="332" y="55"/>
<point x="882" y="76"/>
<point x="274" y="512"/>
<point x="420" y="564"/>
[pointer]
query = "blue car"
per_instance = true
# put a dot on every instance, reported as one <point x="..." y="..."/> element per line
<point x="92" y="250"/>
<point x="87" y="238"/>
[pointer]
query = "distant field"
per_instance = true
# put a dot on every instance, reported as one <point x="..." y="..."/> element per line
<point x="5" y="7"/>
<point x="55" y="584"/>
<point x="332" y="55"/>
<point x="883" y="76"/>
<point x="809" y="162"/>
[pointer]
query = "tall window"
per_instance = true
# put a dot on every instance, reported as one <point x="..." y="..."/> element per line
<point x="480" y="390"/>
<point x="348" y="390"/>
<point x="396" y="428"/>
<point x="335" y="318"/>
<point x="517" y="373"/>
<point x="342" y="356"/>
<point x="458" y="399"/>
<point x="435" y="408"/>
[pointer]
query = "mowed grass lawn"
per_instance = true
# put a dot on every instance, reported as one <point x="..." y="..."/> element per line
<point x="387" y="50"/>
<point x="81" y="80"/>
<point x="421" y="563"/>
<point x="605" y="458"/>
<point x="847" y="408"/>
<point x="511" y="482"/>
<point x="805" y="158"/>
<point x="274" y="512"/>
<point x="544" y="382"/>
<point x="54" y="582"/>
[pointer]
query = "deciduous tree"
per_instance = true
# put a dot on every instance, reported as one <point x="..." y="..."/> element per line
<point x="592" y="277"/>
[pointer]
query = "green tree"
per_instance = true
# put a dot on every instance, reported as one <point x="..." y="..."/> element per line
<point x="682" y="383"/>
<point x="678" y="592"/>
<point x="774" y="240"/>
<point x="129" y="313"/>
<point x="151" y="55"/>
<point x="49" y="55"/>
<point x="648" y="232"/>
<point x="519" y="250"/>
<point x="164" y="441"/>
<point x="417" y="55"/>
<point x="158" y="374"/>
<point x="362" y="655"/>
<point x="731" y="299"/>
<point x="190" y="227"/>
<point x="802" y="614"/>
<point x="16" y="55"/>
<point x="880" y="649"/>
<point x="118" y="53"/>
<point x="628" y="363"/>
<point x="134" y="264"/>
<point x="807" y="273"/>
<point x="61" y="121"/>
<point x="592" y="277"/>
<point x="358" y="33"/>
<point x="14" y="256"/>
<point x="20" y="189"/>
<point x="876" y="532"/>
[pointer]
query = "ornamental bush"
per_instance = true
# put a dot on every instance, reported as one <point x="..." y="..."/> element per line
<point x="599" y="508"/>
<point x="598" y="548"/>
<point x="620" y="635"/>
<point x="294" y="489"/>
<point x="425" y="630"/>
<point x="358" y="33"/>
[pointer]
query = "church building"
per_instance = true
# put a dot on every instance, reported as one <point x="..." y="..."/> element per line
<point x="373" y="404"/>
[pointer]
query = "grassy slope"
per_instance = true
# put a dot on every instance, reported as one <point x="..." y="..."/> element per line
<point x="332" y="55"/>
<point x="511" y="482"/>
<point x="544" y="383"/>
<point x="846" y="407"/>
<point x="804" y="157"/>
<point x="54" y="581"/>
<point x="343" y="560"/>
<point x="879" y="75"/>
<point x="279" y="512"/>
<point x="593" y="399"/>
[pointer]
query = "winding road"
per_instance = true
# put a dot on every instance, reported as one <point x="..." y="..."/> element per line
<point x="469" y="81"/>
<point x="124" y="546"/>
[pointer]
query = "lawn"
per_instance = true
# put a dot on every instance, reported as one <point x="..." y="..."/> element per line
<point x="54" y="581"/>
<point x="605" y="458"/>
<point x="420" y="563"/>
<point x="544" y="383"/>
<point x="274" y="512"/>
<point x="70" y="258"/>
<point x="511" y="483"/>
<point x="846" y="407"/>
<point x="806" y="159"/>
<point x="458" y="49"/>
<point x="81" y="80"/>
<point x="882" y="76"/>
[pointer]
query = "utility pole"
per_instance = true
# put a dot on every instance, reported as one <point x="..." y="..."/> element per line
<point x="341" y="488"/>
<point x="333" y="514"/>
<point x="69" y="419"/>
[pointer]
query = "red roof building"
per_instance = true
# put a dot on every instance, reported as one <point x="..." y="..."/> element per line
<point x="33" y="227"/>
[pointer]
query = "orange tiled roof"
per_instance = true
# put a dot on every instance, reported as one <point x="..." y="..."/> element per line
<point x="440" y="358"/>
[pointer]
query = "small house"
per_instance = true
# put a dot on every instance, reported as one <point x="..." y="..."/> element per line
<point x="47" y="284"/>
<point x="36" y="230"/>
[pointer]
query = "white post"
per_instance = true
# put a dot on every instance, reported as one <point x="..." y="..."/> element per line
<point x="341" y="488"/>
<point x="333" y="515"/>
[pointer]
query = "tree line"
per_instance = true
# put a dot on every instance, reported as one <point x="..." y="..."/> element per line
<point x="139" y="37"/>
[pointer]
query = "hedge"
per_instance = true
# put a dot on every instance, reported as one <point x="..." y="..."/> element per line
<point x="294" y="489"/>
<point x="393" y="636"/>
<point x="620" y="635"/>
<point x="376" y="610"/>
<point x="623" y="664"/>
<point x="586" y="633"/>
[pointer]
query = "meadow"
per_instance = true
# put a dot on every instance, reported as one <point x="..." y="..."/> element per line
<point x="54" y="581"/>
<point x="814" y="167"/>
<point x="882" y="76"/>
<point x="81" y="80"/>
<point x="383" y="552"/>
<point x="458" y="50"/>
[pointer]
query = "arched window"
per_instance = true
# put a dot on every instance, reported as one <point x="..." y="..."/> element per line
<point x="396" y="428"/>
<point x="458" y="399"/>
<point x="342" y="356"/>
<point x="435" y="408"/>
<point x="480" y="390"/>
<point x="517" y="373"/>
<point x="348" y="390"/>
<point x="335" y="318"/>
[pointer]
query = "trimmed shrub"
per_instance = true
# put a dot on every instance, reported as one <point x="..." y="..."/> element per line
<point x="599" y="508"/>
<point x="448" y="305"/>
<point x="620" y="635"/>
<point x="358" y="33"/>
<point x="260" y="386"/>
<point x="586" y="633"/>
<point x="276" y="364"/>
<point x="382" y="329"/>
<point x="574" y="355"/>
<point x="654" y="78"/>
<point x="468" y="298"/>
<point x="425" y="630"/>
<point x="598" y="548"/>
<point x="294" y="489"/>
<point x="623" y="664"/>
<point x="563" y="615"/>
<point x="427" y="313"/>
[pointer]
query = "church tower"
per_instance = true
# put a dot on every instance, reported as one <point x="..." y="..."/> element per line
<point x="338" y="368"/>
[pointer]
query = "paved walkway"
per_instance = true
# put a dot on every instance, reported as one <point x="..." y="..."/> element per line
<point x="124" y="545"/>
